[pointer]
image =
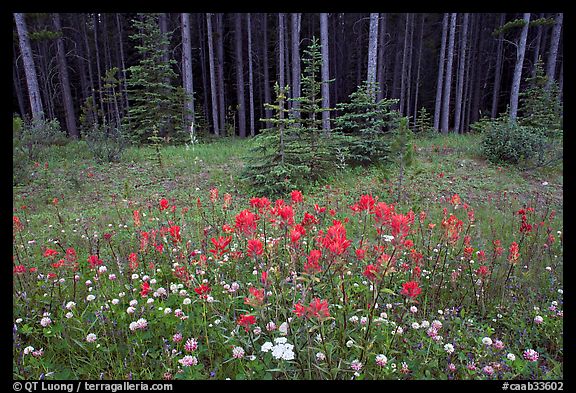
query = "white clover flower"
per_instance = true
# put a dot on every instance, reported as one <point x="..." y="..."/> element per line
<point x="91" y="337"/>
<point x="167" y="310"/>
<point x="381" y="360"/>
<point x="134" y="276"/>
<point x="415" y="325"/>
<point x="487" y="341"/>
<point x="115" y="301"/>
<point x="150" y="301"/>
<point x="69" y="315"/>
<point x="133" y="303"/>
<point x="102" y="269"/>
<point x="186" y="301"/>
<point x="122" y="294"/>
<point x="90" y="297"/>
<point x="130" y="310"/>
<point x="70" y="305"/>
<point x="363" y="320"/>
<point x="283" y="329"/>
<point x="511" y="357"/>
<point x="349" y="343"/>
<point x="18" y="320"/>
<point x="353" y="319"/>
<point x="413" y="309"/>
<point x="237" y="352"/>
<point x="538" y="319"/>
<point x="320" y="356"/>
<point x="449" y="348"/>
<point x="356" y="365"/>
<point x="45" y="321"/>
<point x="28" y="350"/>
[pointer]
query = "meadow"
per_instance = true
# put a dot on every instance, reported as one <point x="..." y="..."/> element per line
<point x="168" y="267"/>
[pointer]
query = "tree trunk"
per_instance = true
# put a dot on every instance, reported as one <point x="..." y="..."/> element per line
<point x="498" y="71"/>
<point x="536" y="55"/>
<point x="296" y="20"/>
<point x="220" y="68"/>
<point x="372" y="54"/>
<point x="460" y="83"/>
<point x="551" y="66"/>
<point x="212" y="76"/>
<point x="281" y="71"/>
<point x="65" y="81"/>
<point x="448" y="80"/>
<point x="409" y="72"/>
<point x="440" y="82"/>
<point x="18" y="87"/>
<point x="520" y="52"/>
<point x="201" y="23"/>
<point x="325" y="71"/>
<point x="417" y="88"/>
<point x="381" y="59"/>
<point x="240" y="77"/>
<point x="187" y="76"/>
<point x="265" y="66"/>
<point x="250" y="77"/>
<point x="122" y="62"/>
<point x="98" y="70"/>
<point x="84" y="32"/>
<point x="29" y="68"/>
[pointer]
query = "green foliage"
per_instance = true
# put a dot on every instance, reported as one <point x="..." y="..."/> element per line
<point x="295" y="152"/>
<point x="509" y="142"/>
<point x="106" y="143"/>
<point x="153" y="101"/>
<point x="424" y="123"/>
<point x="402" y="148"/>
<point x="365" y="121"/>
<point x="541" y="108"/>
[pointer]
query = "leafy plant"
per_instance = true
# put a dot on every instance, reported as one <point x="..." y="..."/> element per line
<point x="106" y="143"/>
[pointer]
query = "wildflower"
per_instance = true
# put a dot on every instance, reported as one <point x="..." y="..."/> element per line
<point x="283" y="329"/>
<point x="29" y="349"/>
<point x="513" y="254"/>
<point x="267" y="346"/>
<point x="511" y="357"/>
<point x="356" y="365"/>
<point x="203" y="290"/>
<point x="451" y="367"/>
<point x="246" y="320"/>
<point x="70" y="305"/>
<point x="415" y="325"/>
<point x="320" y="357"/>
<point x="413" y="309"/>
<point x="498" y="344"/>
<point x="94" y="261"/>
<point x="411" y="289"/>
<point x="449" y="348"/>
<point x="487" y="341"/>
<point x="488" y="370"/>
<point x="254" y="247"/>
<point x="404" y="369"/>
<point x="45" y="321"/>
<point x="531" y="355"/>
<point x="538" y="319"/>
<point x="381" y="360"/>
<point x="188" y="361"/>
<point x="237" y="352"/>
<point x="191" y="345"/>
<point x="296" y="196"/>
<point x="177" y="337"/>
<point x="312" y="265"/>
<point x="91" y="337"/>
<point x="145" y="288"/>
<point x="270" y="326"/>
<point x="335" y="239"/>
<point x="163" y="204"/>
<point x="246" y="222"/>
<point x="282" y="349"/>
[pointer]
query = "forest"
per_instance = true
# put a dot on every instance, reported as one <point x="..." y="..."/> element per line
<point x="288" y="196"/>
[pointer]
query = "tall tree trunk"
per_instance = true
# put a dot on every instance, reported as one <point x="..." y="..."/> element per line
<point x="212" y="76"/>
<point x="281" y="77"/>
<point x="458" y="108"/>
<point x="480" y="67"/>
<point x="65" y="81"/>
<point x="448" y="80"/>
<point x="440" y="82"/>
<point x="372" y="55"/>
<point x="122" y="62"/>
<point x="409" y="72"/>
<point x="93" y="107"/>
<point x="187" y="76"/>
<point x="381" y="59"/>
<point x="551" y="66"/>
<point x="537" y="45"/>
<point x="250" y="76"/>
<point x="29" y="68"/>
<point x="498" y="71"/>
<point x="296" y="20"/>
<point x="325" y="71"/>
<point x="220" y="68"/>
<point x="417" y="88"/>
<point x="18" y="86"/>
<point x="266" y="67"/>
<point x="240" y="76"/>
<point x="202" y="32"/>
<point x="98" y="70"/>
<point x="520" y="52"/>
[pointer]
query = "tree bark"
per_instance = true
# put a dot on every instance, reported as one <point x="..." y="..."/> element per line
<point x="98" y="70"/>
<point x="409" y="71"/>
<point x="460" y="83"/>
<point x="448" y="80"/>
<point x="417" y="88"/>
<point x="240" y="76"/>
<point x="551" y="66"/>
<point x="220" y="69"/>
<point x="520" y="52"/>
<point x="29" y="68"/>
<point x="250" y="76"/>
<point x="266" y="67"/>
<point x="440" y="83"/>
<point x="296" y="21"/>
<point x="498" y="72"/>
<point x="187" y="76"/>
<point x="325" y="71"/>
<point x="212" y="76"/>
<point x="65" y="81"/>
<point x="122" y="62"/>
<point x="381" y="59"/>
<point x="372" y="55"/>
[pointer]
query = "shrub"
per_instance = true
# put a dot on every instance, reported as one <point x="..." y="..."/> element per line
<point x="509" y="142"/>
<point x="106" y="143"/>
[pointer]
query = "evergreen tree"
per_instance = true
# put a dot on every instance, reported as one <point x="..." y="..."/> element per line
<point x="424" y="122"/>
<point x="364" y="121"/>
<point x="151" y="96"/>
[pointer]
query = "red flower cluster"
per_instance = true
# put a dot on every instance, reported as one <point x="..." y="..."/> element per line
<point x="246" y="320"/>
<point x="94" y="261"/>
<point x="203" y="290"/>
<point x="256" y="297"/>
<point x="335" y="239"/>
<point x="254" y="247"/>
<point x="316" y="309"/>
<point x="411" y="289"/>
<point x="312" y="266"/>
<point x="220" y="245"/>
<point x="246" y="222"/>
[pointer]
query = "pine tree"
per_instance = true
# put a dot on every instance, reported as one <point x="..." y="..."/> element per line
<point x="402" y="151"/>
<point x="364" y="121"/>
<point x="151" y="97"/>
<point x="424" y="122"/>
